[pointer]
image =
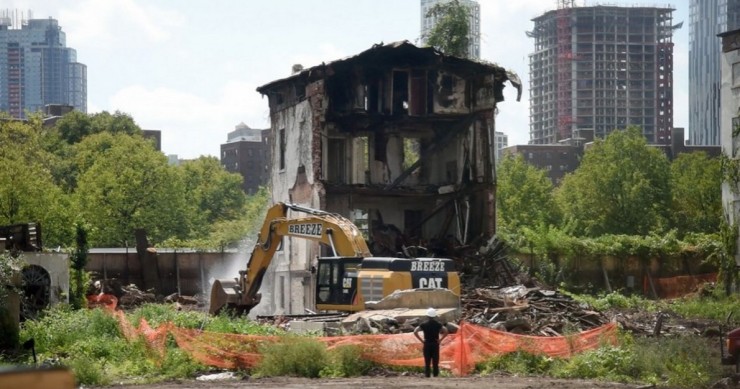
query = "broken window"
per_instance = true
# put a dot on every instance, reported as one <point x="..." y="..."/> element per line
<point x="373" y="96"/>
<point x="400" y="92"/>
<point x="360" y="160"/>
<point x="361" y="219"/>
<point x="418" y="100"/>
<point x="282" y="148"/>
<point x="337" y="163"/>
<point x="411" y="152"/>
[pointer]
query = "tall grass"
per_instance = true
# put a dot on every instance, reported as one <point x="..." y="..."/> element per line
<point x="90" y="342"/>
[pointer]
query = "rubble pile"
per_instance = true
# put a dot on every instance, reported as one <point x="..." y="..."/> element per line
<point x="130" y="296"/>
<point x="531" y="311"/>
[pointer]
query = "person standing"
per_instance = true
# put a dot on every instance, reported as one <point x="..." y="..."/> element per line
<point x="431" y="329"/>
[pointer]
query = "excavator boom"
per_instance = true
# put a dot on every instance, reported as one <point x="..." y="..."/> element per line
<point x="333" y="230"/>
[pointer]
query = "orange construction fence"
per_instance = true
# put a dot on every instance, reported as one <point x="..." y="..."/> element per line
<point x="674" y="287"/>
<point x="459" y="352"/>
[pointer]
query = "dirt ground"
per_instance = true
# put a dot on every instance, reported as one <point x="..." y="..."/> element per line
<point x="499" y="382"/>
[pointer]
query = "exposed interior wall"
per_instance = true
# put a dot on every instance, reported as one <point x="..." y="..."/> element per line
<point x="730" y="103"/>
<point x="286" y="288"/>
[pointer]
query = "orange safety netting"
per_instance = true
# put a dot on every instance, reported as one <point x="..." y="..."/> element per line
<point x="459" y="352"/>
<point x="673" y="287"/>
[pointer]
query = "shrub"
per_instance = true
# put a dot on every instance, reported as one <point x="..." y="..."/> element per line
<point x="519" y="362"/>
<point x="226" y="323"/>
<point x="157" y="314"/>
<point x="90" y="342"/>
<point x="684" y="362"/>
<point x="88" y="372"/>
<point x="608" y="363"/>
<point x="292" y="356"/>
<point x="346" y="361"/>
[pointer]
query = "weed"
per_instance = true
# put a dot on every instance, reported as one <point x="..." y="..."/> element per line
<point x="292" y="356"/>
<point x="157" y="314"/>
<point x="88" y="372"/>
<point x="226" y="323"/>
<point x="715" y="306"/>
<point x="346" y="361"/>
<point x="615" y="300"/>
<point x="518" y="362"/>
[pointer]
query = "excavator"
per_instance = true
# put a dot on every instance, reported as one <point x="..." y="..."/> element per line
<point x="346" y="281"/>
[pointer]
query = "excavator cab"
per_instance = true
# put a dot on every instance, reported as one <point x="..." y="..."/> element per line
<point x="346" y="284"/>
<point x="336" y="283"/>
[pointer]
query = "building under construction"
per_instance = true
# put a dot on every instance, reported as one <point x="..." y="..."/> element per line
<point x="601" y="68"/>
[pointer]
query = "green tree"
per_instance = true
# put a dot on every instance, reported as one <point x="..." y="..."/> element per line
<point x="71" y="129"/>
<point x="621" y="187"/>
<point x="696" y="193"/>
<point x="75" y="126"/>
<point x="126" y="184"/>
<point x="450" y="33"/>
<point x="214" y="193"/>
<point x="79" y="261"/>
<point x="27" y="190"/>
<point x="524" y="195"/>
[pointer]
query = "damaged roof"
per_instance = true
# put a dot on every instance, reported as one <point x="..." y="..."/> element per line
<point x="401" y="53"/>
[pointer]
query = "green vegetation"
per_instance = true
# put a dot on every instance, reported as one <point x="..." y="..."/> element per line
<point x="621" y="187"/>
<point x="292" y="356"/>
<point x="346" y="361"/>
<point x="10" y="267"/>
<point x="680" y="362"/>
<point x="523" y="195"/>
<point x="450" y="32"/>
<point x="91" y="343"/>
<point x="98" y="170"/>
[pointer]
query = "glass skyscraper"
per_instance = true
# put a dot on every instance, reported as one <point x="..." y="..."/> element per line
<point x="36" y="67"/>
<point x="707" y="19"/>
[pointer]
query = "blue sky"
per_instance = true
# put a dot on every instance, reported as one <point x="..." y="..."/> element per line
<point x="190" y="68"/>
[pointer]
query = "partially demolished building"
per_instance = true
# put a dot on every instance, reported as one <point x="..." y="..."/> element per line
<point x="399" y="139"/>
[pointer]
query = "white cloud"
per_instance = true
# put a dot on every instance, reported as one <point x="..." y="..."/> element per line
<point x="192" y="126"/>
<point x="99" y="23"/>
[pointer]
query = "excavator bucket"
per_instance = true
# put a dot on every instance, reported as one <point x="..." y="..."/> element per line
<point x="223" y="293"/>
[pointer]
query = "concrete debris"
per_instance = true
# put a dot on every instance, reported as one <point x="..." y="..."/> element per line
<point x="227" y="375"/>
<point x="130" y="296"/>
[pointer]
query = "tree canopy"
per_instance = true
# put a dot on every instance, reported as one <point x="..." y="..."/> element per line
<point x="696" y="195"/>
<point x="127" y="186"/>
<point x="523" y="195"/>
<point x="621" y="187"/>
<point x="450" y="32"/>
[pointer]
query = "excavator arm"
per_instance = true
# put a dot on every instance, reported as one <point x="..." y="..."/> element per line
<point x="333" y="230"/>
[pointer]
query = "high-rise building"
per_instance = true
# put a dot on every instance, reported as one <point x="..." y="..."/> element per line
<point x="36" y="67"/>
<point x="501" y="141"/>
<point x="247" y="152"/>
<point x="427" y="22"/>
<point x="707" y="19"/>
<point x="601" y="68"/>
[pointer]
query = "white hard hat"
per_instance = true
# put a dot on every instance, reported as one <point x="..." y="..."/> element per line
<point x="431" y="312"/>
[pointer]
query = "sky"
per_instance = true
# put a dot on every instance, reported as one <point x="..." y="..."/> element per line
<point x="191" y="68"/>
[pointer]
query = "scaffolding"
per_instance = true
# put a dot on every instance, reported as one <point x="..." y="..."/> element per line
<point x="601" y="68"/>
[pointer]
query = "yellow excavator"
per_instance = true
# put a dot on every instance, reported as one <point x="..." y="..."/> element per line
<point x="346" y="280"/>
